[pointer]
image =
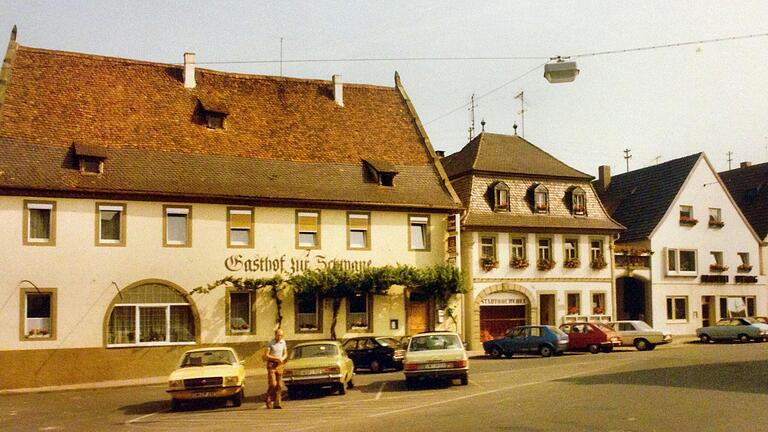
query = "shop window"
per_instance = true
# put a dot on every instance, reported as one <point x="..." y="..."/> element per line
<point x="177" y="229"/>
<point x="358" y="312"/>
<point x="240" y="227"/>
<point x="39" y="223"/>
<point x="240" y="312"/>
<point x="736" y="307"/>
<point x="110" y="224"/>
<point x="598" y="303"/>
<point x="677" y="308"/>
<point x="307" y="229"/>
<point x="358" y="230"/>
<point x="38" y="314"/>
<point x="308" y="313"/>
<point x="573" y="303"/>
<point x="418" y="233"/>
<point x="579" y="201"/>
<point x="150" y="314"/>
<point x="681" y="262"/>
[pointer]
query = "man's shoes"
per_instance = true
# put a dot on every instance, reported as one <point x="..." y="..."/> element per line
<point x="269" y="405"/>
<point x="278" y="407"/>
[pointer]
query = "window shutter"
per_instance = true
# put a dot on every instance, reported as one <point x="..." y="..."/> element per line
<point x="240" y="219"/>
<point x="358" y="222"/>
<point x="307" y="222"/>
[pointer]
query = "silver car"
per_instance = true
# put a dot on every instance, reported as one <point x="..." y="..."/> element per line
<point x="640" y="335"/>
<point x="743" y="329"/>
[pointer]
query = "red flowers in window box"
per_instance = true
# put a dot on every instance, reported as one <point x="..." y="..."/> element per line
<point x="598" y="263"/>
<point x="572" y="263"/>
<point x="573" y="310"/>
<point x="719" y="268"/>
<point x="688" y="220"/>
<point x="716" y="224"/>
<point x="518" y="263"/>
<point x="598" y="310"/>
<point x="541" y="207"/>
<point x="545" y="264"/>
<point x="579" y="209"/>
<point x="488" y="263"/>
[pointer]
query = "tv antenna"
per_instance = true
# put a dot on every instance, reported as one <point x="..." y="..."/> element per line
<point x="730" y="158"/>
<point x="472" y="106"/>
<point x="627" y="157"/>
<point x="521" y="96"/>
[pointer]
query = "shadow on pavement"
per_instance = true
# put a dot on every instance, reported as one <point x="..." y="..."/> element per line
<point x="739" y="377"/>
<point x="146" y="407"/>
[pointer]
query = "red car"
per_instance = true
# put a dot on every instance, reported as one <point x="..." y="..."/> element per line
<point x="593" y="337"/>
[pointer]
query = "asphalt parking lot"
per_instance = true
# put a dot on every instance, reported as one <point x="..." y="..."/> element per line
<point x="681" y="387"/>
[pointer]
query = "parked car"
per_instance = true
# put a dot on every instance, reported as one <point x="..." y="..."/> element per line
<point x="593" y="337"/>
<point x="743" y="329"/>
<point x="639" y="334"/>
<point x="207" y="373"/>
<point x="433" y="355"/>
<point x="761" y="319"/>
<point x="318" y="364"/>
<point x="541" y="339"/>
<point x="375" y="353"/>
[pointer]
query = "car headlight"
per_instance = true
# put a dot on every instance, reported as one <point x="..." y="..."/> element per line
<point x="175" y="384"/>
<point x="230" y="381"/>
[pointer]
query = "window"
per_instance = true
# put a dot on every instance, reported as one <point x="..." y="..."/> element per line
<point x="579" y="201"/>
<point x="358" y="312"/>
<point x="717" y="265"/>
<point x="308" y="316"/>
<point x="571" y="249"/>
<point x="240" y="306"/>
<point x="501" y="196"/>
<point x="307" y="229"/>
<point x="715" y="218"/>
<point x="214" y="120"/>
<point x="596" y="256"/>
<point x="358" y="229"/>
<point x="574" y="303"/>
<point x="91" y="165"/>
<point x="110" y="224"/>
<point x="677" y="308"/>
<point x="517" y="245"/>
<point x="418" y="233"/>
<point x="39" y="224"/>
<point x="545" y="250"/>
<point x="240" y="227"/>
<point x="731" y="307"/>
<point x="541" y="199"/>
<point x="745" y="266"/>
<point x="681" y="262"/>
<point x="488" y="247"/>
<point x="150" y="314"/>
<point x="598" y="303"/>
<point x="177" y="226"/>
<point x="38" y="314"/>
<point x="686" y="216"/>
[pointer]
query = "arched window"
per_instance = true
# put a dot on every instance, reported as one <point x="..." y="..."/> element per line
<point x="150" y="314"/>
<point x="541" y="199"/>
<point x="579" y="201"/>
<point x="500" y="192"/>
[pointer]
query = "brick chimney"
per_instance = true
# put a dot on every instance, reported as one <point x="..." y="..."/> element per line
<point x="189" y="70"/>
<point x="745" y="164"/>
<point x="604" y="176"/>
<point x="338" y="90"/>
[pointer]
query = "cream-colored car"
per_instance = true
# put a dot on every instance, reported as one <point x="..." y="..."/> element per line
<point x="435" y="355"/>
<point x="208" y="373"/>
<point x="639" y="334"/>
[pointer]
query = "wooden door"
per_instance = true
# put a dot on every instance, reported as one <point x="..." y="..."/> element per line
<point x="418" y="317"/>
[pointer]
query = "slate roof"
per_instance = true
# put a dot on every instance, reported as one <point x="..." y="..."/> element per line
<point x="749" y="188"/>
<point x="640" y="198"/>
<point x="508" y="154"/>
<point x="283" y="137"/>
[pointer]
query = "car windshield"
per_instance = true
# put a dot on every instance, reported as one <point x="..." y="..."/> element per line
<point x="208" y="358"/>
<point x="434" y="342"/>
<point x="387" y="342"/>
<point x="320" y="350"/>
<point x="603" y="327"/>
<point x="749" y="320"/>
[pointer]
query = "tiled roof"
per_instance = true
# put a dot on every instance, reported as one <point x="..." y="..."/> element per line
<point x="749" y="188"/>
<point x="539" y="222"/>
<point x="640" y="198"/>
<point x="507" y="154"/>
<point x="157" y="141"/>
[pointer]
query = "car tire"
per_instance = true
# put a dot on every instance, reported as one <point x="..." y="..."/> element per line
<point x="594" y="349"/>
<point x="374" y="366"/>
<point x="545" y="351"/>
<point x="175" y="404"/>
<point x="237" y="398"/>
<point x="705" y="339"/>
<point x="495" y="352"/>
<point x="641" y="345"/>
<point x="464" y="380"/>
<point x="743" y="338"/>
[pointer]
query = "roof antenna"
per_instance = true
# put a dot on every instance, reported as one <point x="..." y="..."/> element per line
<point x="472" y="106"/>
<point x="13" y="33"/>
<point x="482" y="125"/>
<point x="627" y="157"/>
<point x="730" y="159"/>
<point x="281" y="56"/>
<point x="514" y="126"/>
<point x="521" y="96"/>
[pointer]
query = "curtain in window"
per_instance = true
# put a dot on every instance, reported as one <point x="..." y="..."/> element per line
<point x="122" y="325"/>
<point x="39" y="224"/>
<point x="177" y="228"/>
<point x="240" y="311"/>
<point x="152" y="324"/>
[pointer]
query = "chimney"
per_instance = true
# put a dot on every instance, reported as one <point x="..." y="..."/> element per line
<point x="440" y="153"/>
<point x="604" y="176"/>
<point x="338" y="90"/>
<point x="189" y="70"/>
<point x="745" y="164"/>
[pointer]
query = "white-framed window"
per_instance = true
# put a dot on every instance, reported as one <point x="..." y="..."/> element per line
<point x="359" y="227"/>
<point x="596" y="250"/>
<point x="240" y="312"/>
<point x="240" y="221"/>
<point x="579" y="201"/>
<point x="545" y="249"/>
<point x="573" y="302"/>
<point x="177" y="226"/>
<point x="308" y="313"/>
<point x="686" y="216"/>
<point x="39" y="223"/>
<point x="677" y="308"/>
<point x="110" y="227"/>
<point x="517" y="247"/>
<point x="488" y="247"/>
<point x="571" y="249"/>
<point x="38" y="314"/>
<point x="541" y="199"/>
<point x="715" y="217"/>
<point x="358" y="313"/>
<point x="418" y="232"/>
<point x="501" y="196"/>
<point x="150" y="314"/>
<point x="307" y="229"/>
<point x="681" y="262"/>
<point x="598" y="303"/>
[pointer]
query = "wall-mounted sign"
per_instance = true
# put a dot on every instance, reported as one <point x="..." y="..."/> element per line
<point x="289" y="265"/>
<point x="506" y="298"/>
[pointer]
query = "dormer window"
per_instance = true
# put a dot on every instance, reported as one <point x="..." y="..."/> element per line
<point x="541" y="199"/>
<point x="380" y="171"/>
<point x="213" y="113"/>
<point x="214" y="120"/>
<point x="500" y="192"/>
<point x="579" y="201"/>
<point x="90" y="159"/>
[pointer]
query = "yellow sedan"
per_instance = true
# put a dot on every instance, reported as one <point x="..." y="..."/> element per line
<point x="318" y="364"/>
<point x="208" y="373"/>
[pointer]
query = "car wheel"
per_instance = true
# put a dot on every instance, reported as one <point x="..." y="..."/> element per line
<point x="464" y="380"/>
<point x="175" y="404"/>
<point x="743" y="338"/>
<point x="705" y="338"/>
<point x="495" y="352"/>
<point x="237" y="398"/>
<point x="607" y="349"/>
<point x="641" y="344"/>
<point x="545" y="351"/>
<point x="375" y="366"/>
<point x="594" y="349"/>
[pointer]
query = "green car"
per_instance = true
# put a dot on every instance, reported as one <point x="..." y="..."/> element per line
<point x="743" y="329"/>
<point x="318" y="364"/>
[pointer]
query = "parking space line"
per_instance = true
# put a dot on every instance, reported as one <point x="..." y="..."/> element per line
<point x="144" y="416"/>
<point x="378" y="395"/>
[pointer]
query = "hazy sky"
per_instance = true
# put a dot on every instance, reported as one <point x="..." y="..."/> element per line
<point x="663" y="104"/>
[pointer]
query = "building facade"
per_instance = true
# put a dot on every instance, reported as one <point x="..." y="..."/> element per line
<point x="124" y="185"/>
<point x="689" y="257"/>
<point x="536" y="242"/>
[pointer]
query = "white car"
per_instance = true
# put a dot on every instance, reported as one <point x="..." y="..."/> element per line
<point x="640" y="335"/>
<point x="435" y="355"/>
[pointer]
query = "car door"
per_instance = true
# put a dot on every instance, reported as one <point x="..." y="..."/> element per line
<point x="513" y="341"/>
<point x="350" y="347"/>
<point x="628" y="332"/>
<point x="534" y="339"/>
<point x="365" y="349"/>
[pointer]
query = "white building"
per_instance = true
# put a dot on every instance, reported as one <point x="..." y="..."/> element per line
<point x="688" y="256"/>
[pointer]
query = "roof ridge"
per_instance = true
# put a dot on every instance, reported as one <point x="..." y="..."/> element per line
<point x="554" y="158"/>
<point x="646" y="169"/>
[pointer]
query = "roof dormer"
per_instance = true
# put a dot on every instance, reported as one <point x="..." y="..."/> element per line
<point x="90" y="158"/>
<point x="578" y="201"/>
<point x="213" y="113"/>
<point x="499" y="196"/>
<point x="380" y="171"/>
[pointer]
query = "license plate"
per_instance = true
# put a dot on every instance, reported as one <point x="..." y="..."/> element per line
<point x="203" y="394"/>
<point x="435" y="366"/>
<point x="311" y="372"/>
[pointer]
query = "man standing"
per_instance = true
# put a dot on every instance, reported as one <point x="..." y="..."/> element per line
<point x="275" y="356"/>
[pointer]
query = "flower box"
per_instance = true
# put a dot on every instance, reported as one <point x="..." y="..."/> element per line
<point x="688" y="221"/>
<point x="718" y="268"/>
<point x="518" y="263"/>
<point x="598" y="263"/>
<point x="744" y="268"/>
<point x="579" y="209"/>
<point x="488" y="264"/>
<point x="542" y="208"/>
<point x="544" y="265"/>
<point x="572" y="263"/>
<point x="716" y="224"/>
<point x="573" y="310"/>
<point x="598" y="310"/>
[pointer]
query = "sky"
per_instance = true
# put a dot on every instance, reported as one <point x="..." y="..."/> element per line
<point x="662" y="104"/>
